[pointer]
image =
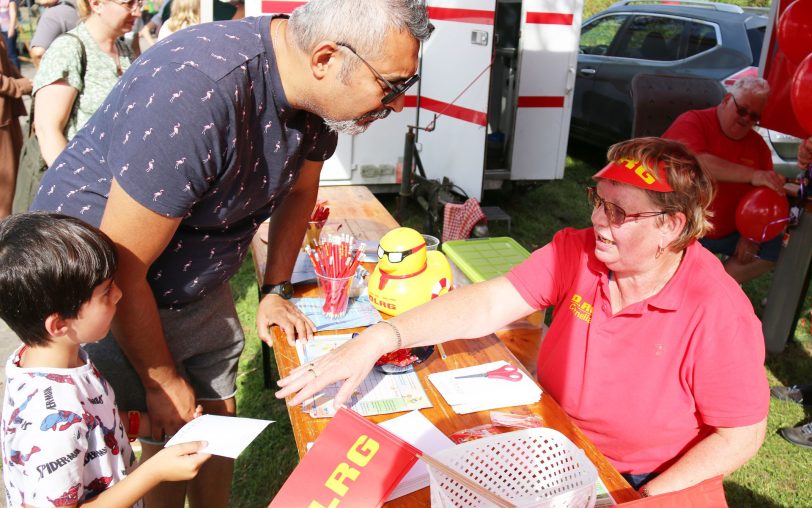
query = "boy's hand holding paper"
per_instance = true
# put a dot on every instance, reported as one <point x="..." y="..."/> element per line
<point x="226" y="436"/>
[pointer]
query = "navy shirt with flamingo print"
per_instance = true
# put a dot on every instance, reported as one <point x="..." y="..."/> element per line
<point x="198" y="128"/>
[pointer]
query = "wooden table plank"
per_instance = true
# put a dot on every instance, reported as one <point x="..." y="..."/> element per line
<point x="361" y="214"/>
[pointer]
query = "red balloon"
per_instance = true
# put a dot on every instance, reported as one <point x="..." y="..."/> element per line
<point x="795" y="30"/>
<point x="801" y="94"/>
<point x="762" y="214"/>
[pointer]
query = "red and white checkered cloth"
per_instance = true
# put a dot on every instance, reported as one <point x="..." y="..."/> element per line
<point x="459" y="220"/>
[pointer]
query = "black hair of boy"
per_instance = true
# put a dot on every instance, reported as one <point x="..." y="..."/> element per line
<point x="49" y="264"/>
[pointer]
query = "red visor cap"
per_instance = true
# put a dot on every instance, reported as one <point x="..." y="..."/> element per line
<point x="636" y="173"/>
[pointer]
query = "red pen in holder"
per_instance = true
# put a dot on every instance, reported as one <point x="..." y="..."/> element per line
<point x="335" y="262"/>
<point x="314" y="226"/>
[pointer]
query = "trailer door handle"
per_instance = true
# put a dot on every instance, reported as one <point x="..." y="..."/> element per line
<point x="587" y="71"/>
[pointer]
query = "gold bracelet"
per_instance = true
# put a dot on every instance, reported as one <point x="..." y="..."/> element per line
<point x="397" y="334"/>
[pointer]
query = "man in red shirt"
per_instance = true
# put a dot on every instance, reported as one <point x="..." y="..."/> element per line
<point x="738" y="159"/>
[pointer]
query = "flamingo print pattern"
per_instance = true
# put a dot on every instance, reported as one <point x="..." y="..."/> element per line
<point x="203" y="132"/>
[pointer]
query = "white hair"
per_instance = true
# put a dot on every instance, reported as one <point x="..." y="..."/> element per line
<point x="756" y="87"/>
<point x="361" y="24"/>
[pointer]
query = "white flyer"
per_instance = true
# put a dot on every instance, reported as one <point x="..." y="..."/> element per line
<point x="226" y="436"/>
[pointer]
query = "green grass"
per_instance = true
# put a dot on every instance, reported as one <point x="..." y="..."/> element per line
<point x="776" y="477"/>
<point x="263" y="467"/>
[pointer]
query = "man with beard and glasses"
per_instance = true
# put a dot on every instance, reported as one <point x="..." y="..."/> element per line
<point x="212" y="131"/>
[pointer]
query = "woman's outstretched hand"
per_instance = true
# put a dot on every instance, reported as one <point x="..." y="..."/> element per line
<point x="351" y="362"/>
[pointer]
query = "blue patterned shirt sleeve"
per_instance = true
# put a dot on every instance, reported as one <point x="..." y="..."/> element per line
<point x="165" y="158"/>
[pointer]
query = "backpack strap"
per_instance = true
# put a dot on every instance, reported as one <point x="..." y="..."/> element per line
<point x="82" y="66"/>
<point x="83" y="58"/>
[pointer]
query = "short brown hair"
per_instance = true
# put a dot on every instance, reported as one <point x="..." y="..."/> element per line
<point x="693" y="188"/>
<point x="49" y="264"/>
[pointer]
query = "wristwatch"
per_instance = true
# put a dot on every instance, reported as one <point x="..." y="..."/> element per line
<point x="283" y="289"/>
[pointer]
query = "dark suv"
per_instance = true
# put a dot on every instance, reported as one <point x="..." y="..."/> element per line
<point x="712" y="40"/>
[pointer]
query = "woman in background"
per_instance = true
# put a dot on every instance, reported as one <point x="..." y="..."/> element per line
<point x="183" y="13"/>
<point x="66" y="97"/>
<point x="8" y="29"/>
<point x="12" y="87"/>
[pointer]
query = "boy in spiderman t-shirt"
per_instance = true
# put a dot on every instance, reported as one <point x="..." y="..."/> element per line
<point x="63" y="441"/>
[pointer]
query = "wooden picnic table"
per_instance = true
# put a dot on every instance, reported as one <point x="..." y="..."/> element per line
<point x="362" y="215"/>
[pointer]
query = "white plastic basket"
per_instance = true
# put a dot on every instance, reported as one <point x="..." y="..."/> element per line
<point x="530" y="468"/>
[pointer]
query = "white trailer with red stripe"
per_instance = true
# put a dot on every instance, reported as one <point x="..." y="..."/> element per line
<point x="500" y="74"/>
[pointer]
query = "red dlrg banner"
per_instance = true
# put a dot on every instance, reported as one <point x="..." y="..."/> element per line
<point x="354" y="462"/>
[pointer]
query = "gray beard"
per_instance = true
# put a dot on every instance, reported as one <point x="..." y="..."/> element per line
<point x="353" y="127"/>
<point x="349" y="127"/>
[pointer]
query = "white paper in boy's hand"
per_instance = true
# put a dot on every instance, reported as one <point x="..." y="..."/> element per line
<point x="227" y="436"/>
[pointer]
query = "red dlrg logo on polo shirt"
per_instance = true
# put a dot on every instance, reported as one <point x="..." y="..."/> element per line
<point x="581" y="309"/>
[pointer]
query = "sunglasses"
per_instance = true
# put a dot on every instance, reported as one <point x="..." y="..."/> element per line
<point x="397" y="257"/>
<point x="395" y="89"/>
<point x="744" y="112"/>
<point x="615" y="214"/>
<point x="132" y="5"/>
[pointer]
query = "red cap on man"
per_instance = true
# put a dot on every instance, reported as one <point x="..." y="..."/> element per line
<point x="636" y="173"/>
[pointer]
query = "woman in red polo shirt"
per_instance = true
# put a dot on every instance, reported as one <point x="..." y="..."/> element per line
<point x="653" y="350"/>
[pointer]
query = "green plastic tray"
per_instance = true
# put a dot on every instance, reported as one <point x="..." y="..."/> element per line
<point x="485" y="258"/>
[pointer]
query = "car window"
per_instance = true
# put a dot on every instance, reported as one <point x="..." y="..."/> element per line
<point x="701" y="37"/>
<point x="651" y="38"/>
<point x="597" y="36"/>
<point x="756" y="38"/>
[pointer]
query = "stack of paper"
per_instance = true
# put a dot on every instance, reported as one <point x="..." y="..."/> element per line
<point x="303" y="270"/>
<point x="377" y="394"/>
<point x="360" y="312"/>
<point x="602" y="495"/>
<point x="472" y="394"/>
<point x="418" y="431"/>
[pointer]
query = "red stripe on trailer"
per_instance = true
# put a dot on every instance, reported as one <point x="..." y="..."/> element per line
<point x="277" y="7"/>
<point x="540" y="101"/>
<point x="474" y="16"/>
<point x="458" y="112"/>
<point x="549" y="18"/>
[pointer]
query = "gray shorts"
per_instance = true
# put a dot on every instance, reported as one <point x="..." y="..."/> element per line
<point x="205" y="339"/>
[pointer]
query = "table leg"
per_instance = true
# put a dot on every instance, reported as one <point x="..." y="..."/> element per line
<point x="266" y="366"/>
<point x="266" y="353"/>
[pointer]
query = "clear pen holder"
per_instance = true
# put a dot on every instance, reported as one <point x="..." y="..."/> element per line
<point x="336" y="294"/>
